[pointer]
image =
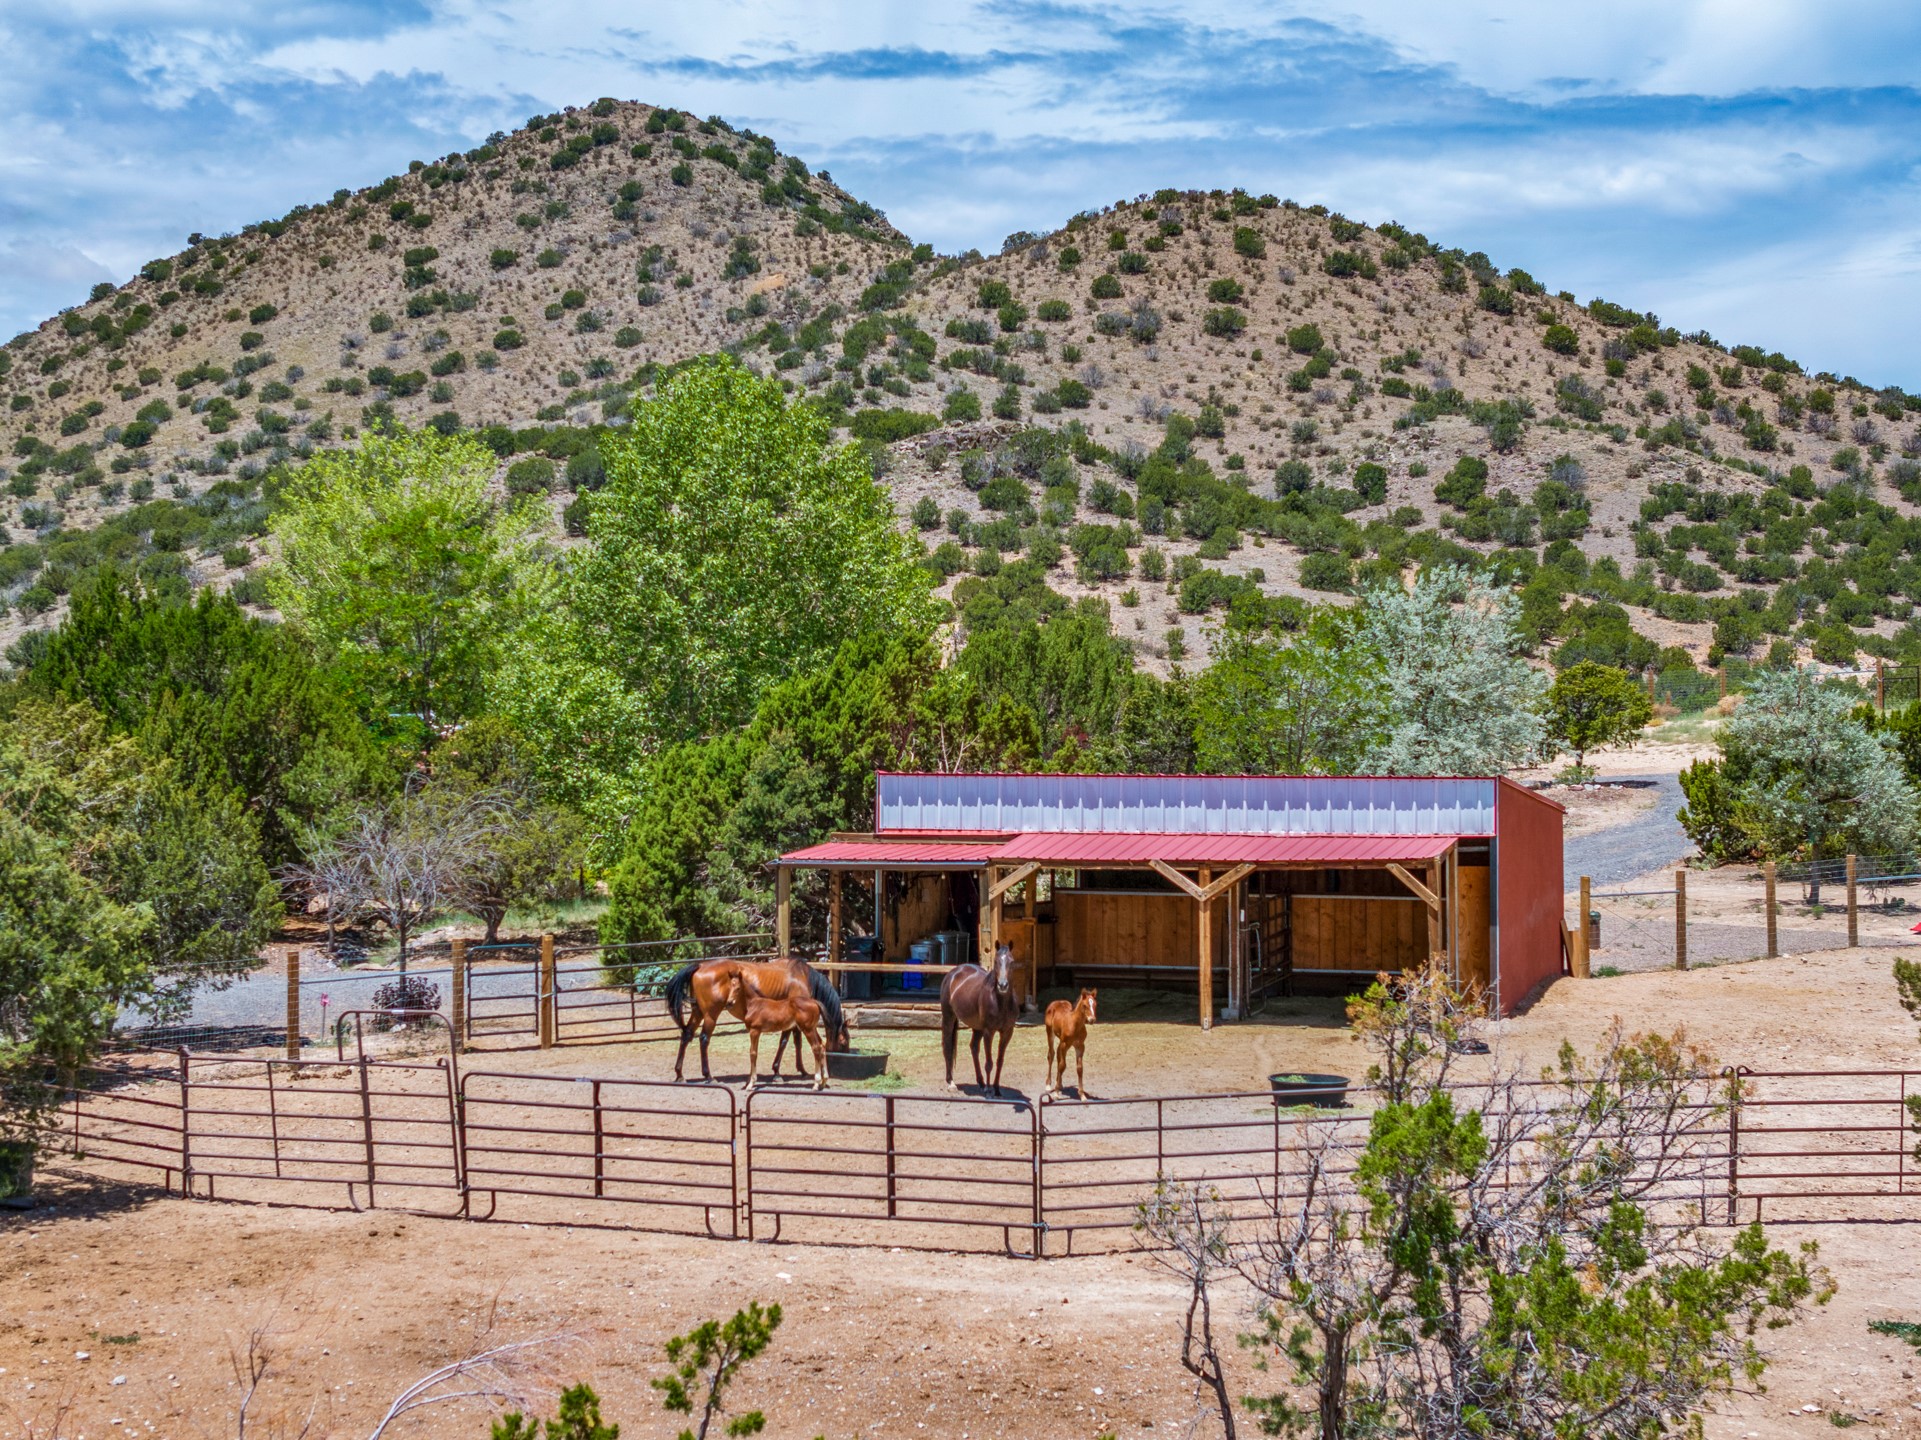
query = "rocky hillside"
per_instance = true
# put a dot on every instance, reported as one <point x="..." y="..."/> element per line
<point x="1344" y="399"/>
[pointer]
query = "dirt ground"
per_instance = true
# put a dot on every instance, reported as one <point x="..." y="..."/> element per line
<point x="155" y="1292"/>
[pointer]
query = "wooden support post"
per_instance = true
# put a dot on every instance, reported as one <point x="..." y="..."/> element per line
<point x="1580" y="961"/>
<point x="1680" y="919"/>
<point x="1880" y="686"/>
<point x="1854" y="914"/>
<point x="783" y="911"/>
<point x="549" y="999"/>
<point x="1207" y="952"/>
<point x="458" y="987"/>
<point x="833" y="928"/>
<point x="1767" y="872"/>
<point x="293" y="1002"/>
<point x="1433" y="910"/>
<point x="1234" y="991"/>
<point x="985" y="938"/>
<point x="1454" y="916"/>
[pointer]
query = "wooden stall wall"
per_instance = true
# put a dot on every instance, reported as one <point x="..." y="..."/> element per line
<point x="1360" y="934"/>
<point x="1131" y="928"/>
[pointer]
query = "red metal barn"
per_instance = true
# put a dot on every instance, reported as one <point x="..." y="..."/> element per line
<point x="1244" y="886"/>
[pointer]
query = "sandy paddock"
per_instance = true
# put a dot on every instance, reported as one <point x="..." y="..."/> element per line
<point x="883" y="1340"/>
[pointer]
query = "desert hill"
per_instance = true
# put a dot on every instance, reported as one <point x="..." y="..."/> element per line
<point x="1322" y="377"/>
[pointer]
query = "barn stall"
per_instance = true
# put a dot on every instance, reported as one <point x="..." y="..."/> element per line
<point x="1241" y="887"/>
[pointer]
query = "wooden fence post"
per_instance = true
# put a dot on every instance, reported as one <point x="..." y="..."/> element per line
<point x="1880" y="687"/>
<point x="1854" y="913"/>
<point x="1680" y="919"/>
<point x="1767" y="872"/>
<point x="293" y="1002"/>
<point x="457" y="1000"/>
<point x="1580" y="957"/>
<point x="1206" y="928"/>
<point x="549" y="998"/>
<point x="783" y="911"/>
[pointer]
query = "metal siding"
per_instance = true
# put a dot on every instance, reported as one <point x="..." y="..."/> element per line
<point x="1187" y="804"/>
<point x="1528" y="903"/>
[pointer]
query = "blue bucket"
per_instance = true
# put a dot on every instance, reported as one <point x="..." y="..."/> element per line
<point x="921" y="952"/>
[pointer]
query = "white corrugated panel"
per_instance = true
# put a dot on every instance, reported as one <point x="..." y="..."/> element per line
<point x="1187" y="804"/>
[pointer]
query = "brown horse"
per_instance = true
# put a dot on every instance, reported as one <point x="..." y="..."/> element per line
<point x="799" y="1015"/>
<point x="705" y="984"/>
<point x="1067" y="1027"/>
<point x="985" y="1004"/>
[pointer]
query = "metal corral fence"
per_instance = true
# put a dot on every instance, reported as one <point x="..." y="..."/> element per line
<point x="1710" y="917"/>
<point x="860" y="1168"/>
<point x="522" y="993"/>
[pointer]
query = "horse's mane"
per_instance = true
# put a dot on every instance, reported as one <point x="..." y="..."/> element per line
<point x="828" y="999"/>
<point x="677" y="989"/>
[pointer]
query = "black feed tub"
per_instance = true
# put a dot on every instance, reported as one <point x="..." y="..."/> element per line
<point x="1324" y="1092"/>
<point x="856" y="1064"/>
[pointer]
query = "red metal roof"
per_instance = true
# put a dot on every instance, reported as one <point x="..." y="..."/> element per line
<point x="895" y="854"/>
<point x="1095" y="849"/>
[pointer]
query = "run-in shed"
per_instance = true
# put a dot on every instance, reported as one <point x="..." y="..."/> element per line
<point x="1241" y="885"/>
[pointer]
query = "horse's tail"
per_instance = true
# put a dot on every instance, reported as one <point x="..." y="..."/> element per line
<point x="828" y="998"/>
<point x="677" y="989"/>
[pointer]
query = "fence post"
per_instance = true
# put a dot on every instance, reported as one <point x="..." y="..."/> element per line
<point x="457" y="1001"/>
<point x="1854" y="914"/>
<point x="1580" y="957"/>
<point x="546" y="998"/>
<point x="1774" y="947"/>
<point x="186" y="1137"/>
<point x="1721" y="678"/>
<point x="293" y="1002"/>
<point x="1880" y="687"/>
<point x="1680" y="919"/>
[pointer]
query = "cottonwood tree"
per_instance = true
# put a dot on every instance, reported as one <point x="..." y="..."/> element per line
<point x="1301" y="703"/>
<point x="732" y="545"/>
<point x="408" y="573"/>
<point x="1509" y="1256"/>
<point x="1461" y="696"/>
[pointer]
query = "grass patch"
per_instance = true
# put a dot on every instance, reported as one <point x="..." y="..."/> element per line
<point x="1906" y="1330"/>
<point x="885" y="1083"/>
<point x="1606" y="972"/>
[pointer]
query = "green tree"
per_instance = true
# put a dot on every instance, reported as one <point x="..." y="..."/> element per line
<point x="1303" y="703"/>
<point x="1070" y="670"/>
<point x="707" y="1360"/>
<point x="1461" y="696"/>
<point x="398" y="561"/>
<point x="1591" y="705"/>
<point x="731" y="546"/>
<point x="236" y="703"/>
<point x="1803" y="778"/>
<point x="578" y="1418"/>
<point x="1408" y="1288"/>
<point x="188" y="859"/>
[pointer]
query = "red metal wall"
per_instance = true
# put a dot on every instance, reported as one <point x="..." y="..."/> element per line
<point x="1527" y="855"/>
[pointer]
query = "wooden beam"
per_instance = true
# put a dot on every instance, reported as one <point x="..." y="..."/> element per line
<point x="1012" y="878"/>
<point x="1186" y="885"/>
<point x="1207" y="950"/>
<point x="1421" y="891"/>
<point x="783" y="911"/>
<point x="833" y="927"/>
<point x="1232" y="877"/>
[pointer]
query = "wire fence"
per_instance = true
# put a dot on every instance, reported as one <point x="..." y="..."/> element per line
<point x="1744" y="913"/>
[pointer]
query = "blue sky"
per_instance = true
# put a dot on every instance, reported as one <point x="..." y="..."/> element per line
<point x="1751" y="167"/>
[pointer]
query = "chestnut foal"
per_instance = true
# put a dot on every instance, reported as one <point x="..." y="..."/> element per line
<point x="1067" y="1028"/>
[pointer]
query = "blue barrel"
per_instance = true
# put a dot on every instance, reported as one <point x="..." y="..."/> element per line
<point x="921" y="952"/>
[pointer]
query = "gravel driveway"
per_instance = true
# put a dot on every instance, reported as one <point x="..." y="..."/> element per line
<point x="1653" y="839"/>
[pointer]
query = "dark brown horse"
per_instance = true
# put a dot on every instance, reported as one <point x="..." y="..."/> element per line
<point x="706" y="984"/>
<point x="983" y="1002"/>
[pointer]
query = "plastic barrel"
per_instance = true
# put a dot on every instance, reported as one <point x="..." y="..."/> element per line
<point x="921" y="952"/>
